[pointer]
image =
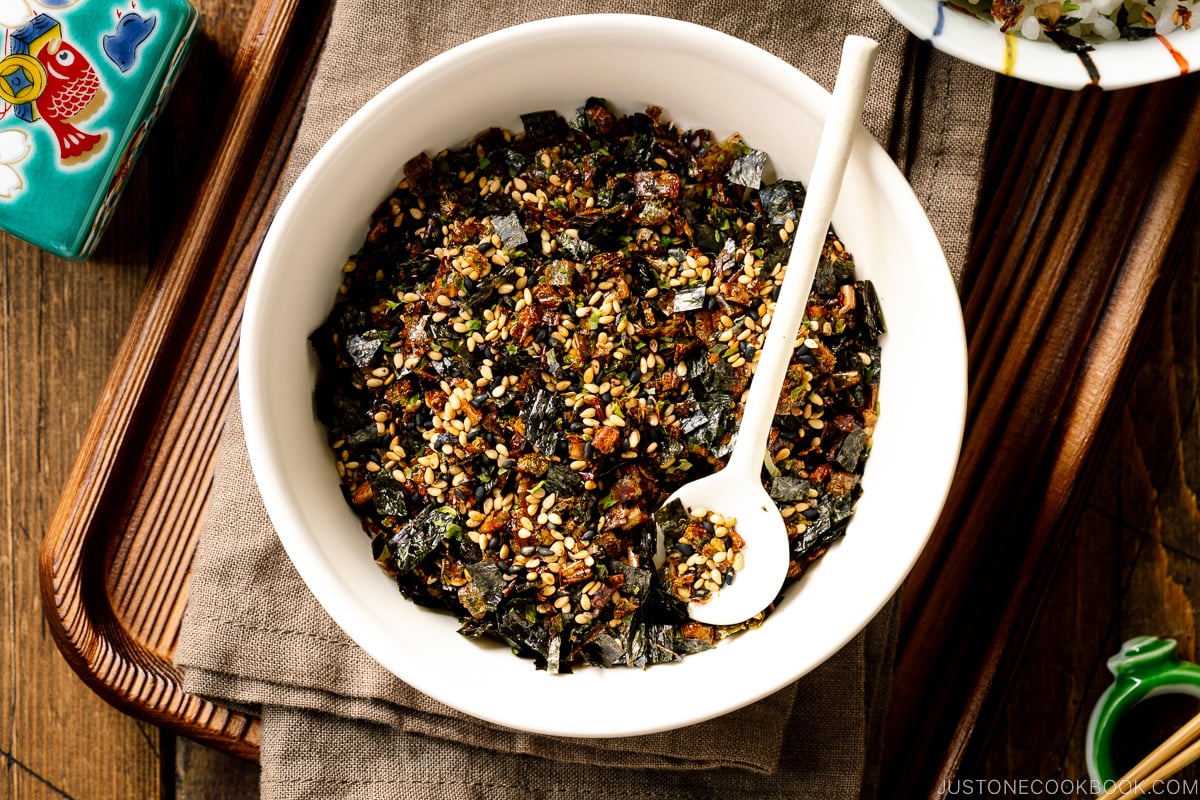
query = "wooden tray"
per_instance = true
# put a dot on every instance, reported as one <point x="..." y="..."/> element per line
<point x="1055" y="291"/>
<point x="118" y="552"/>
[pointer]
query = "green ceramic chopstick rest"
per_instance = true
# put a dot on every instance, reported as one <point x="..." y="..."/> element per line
<point x="1146" y="666"/>
<point x="81" y="81"/>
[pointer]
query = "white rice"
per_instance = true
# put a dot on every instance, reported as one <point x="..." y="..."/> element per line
<point x="1097" y="20"/>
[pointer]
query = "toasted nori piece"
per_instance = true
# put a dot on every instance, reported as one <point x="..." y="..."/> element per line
<point x="657" y="646"/>
<point x="712" y="375"/>
<point x="363" y="436"/>
<point x="638" y="147"/>
<point x="388" y="496"/>
<point x="420" y="536"/>
<point x="578" y="249"/>
<point x="747" y="170"/>
<point x="691" y="299"/>
<point x="782" y="200"/>
<point x="542" y="412"/>
<point x="710" y="420"/>
<point x="869" y="309"/>
<point x="605" y="650"/>
<point x="509" y="229"/>
<point x="542" y="127"/>
<point x="518" y="624"/>
<point x="789" y="489"/>
<point x="851" y="449"/>
<point x="671" y="521"/>
<point x="561" y="480"/>
<point x="362" y="349"/>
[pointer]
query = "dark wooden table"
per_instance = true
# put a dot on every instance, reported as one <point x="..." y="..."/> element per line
<point x="1072" y="524"/>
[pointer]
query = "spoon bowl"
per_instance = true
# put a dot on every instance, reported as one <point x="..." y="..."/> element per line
<point x="742" y="498"/>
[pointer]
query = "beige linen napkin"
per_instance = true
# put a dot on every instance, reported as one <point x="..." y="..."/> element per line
<point x="335" y="724"/>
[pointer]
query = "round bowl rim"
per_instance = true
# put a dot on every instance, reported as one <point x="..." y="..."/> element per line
<point x="281" y="502"/>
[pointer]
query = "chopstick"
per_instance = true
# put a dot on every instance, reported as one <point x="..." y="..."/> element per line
<point x="1179" y="750"/>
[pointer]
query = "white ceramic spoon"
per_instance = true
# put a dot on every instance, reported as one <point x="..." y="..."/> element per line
<point x="737" y="491"/>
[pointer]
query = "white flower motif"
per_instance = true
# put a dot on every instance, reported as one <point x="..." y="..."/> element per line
<point x="14" y="147"/>
<point x="15" y="13"/>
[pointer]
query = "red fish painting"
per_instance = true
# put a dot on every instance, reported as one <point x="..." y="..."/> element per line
<point x="72" y="91"/>
<point x="45" y="77"/>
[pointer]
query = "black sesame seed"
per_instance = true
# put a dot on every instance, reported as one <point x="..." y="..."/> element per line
<point x="812" y="513"/>
<point x="685" y="549"/>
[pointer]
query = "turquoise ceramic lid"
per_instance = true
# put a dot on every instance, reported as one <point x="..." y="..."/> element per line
<point x="80" y="84"/>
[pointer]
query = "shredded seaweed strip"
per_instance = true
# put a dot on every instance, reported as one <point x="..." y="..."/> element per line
<point x="542" y="336"/>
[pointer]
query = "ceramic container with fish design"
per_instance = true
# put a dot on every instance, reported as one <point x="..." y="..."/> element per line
<point x="81" y="82"/>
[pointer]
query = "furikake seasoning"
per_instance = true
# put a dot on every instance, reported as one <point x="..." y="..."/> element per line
<point x="542" y="336"/>
<point x="704" y="556"/>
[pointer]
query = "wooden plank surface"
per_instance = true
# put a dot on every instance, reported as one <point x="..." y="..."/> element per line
<point x="1131" y="566"/>
<point x="60" y="329"/>
<point x="117" y="553"/>
<point x="1073" y="251"/>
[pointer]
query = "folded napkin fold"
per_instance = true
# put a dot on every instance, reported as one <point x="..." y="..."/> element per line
<point x="335" y="723"/>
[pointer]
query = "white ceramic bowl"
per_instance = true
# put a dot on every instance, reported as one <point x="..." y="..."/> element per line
<point x="1110" y="65"/>
<point x="701" y="78"/>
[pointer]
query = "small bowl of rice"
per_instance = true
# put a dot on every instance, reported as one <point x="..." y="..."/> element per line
<point x="1067" y="44"/>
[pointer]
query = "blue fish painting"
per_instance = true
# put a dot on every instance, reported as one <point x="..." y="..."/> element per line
<point x="121" y="45"/>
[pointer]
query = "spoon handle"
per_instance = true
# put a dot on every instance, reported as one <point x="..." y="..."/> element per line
<point x="833" y="152"/>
